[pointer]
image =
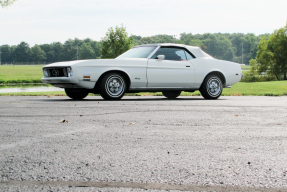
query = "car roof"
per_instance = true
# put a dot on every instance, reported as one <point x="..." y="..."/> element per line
<point x="196" y="51"/>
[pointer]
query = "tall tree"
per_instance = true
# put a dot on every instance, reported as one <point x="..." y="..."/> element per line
<point x="77" y="42"/>
<point x="278" y="46"/>
<point x="264" y="57"/>
<point x="86" y="52"/>
<point x="97" y="48"/>
<point x="236" y="40"/>
<point x="250" y="44"/>
<point x="57" y="49"/>
<point x="22" y="52"/>
<point x="37" y="54"/>
<point x="272" y="54"/>
<point x="116" y="42"/>
<point x="229" y="55"/>
<point x="50" y="53"/>
<point x="6" y="55"/>
<point x="69" y="51"/>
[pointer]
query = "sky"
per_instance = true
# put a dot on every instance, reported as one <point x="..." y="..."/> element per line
<point x="47" y="21"/>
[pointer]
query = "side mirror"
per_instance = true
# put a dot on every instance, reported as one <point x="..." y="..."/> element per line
<point x="160" y="57"/>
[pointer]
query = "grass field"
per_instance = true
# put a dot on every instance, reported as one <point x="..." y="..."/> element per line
<point x="20" y="73"/>
<point x="245" y="67"/>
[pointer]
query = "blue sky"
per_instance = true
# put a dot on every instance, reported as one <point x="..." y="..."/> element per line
<point x="47" y="21"/>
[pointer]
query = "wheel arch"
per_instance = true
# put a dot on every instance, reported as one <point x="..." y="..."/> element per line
<point x="125" y="75"/>
<point x="219" y="74"/>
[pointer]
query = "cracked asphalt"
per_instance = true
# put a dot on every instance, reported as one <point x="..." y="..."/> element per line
<point x="143" y="143"/>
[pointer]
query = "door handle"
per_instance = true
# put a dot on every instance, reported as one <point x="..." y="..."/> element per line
<point x="187" y="65"/>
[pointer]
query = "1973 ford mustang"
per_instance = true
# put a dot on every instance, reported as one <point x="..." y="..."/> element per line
<point x="166" y="68"/>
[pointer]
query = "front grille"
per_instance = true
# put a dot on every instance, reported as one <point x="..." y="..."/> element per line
<point x="57" y="72"/>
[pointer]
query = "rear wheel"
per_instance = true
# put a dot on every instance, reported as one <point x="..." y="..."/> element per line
<point x="112" y="86"/>
<point x="76" y="93"/>
<point x="211" y="87"/>
<point x="171" y="94"/>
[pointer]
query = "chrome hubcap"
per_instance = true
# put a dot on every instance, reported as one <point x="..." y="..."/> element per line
<point x="214" y="87"/>
<point x="115" y="86"/>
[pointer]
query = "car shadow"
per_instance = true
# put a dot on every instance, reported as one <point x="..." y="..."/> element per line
<point x="123" y="99"/>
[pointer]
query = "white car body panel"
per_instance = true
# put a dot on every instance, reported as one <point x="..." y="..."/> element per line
<point x="166" y="73"/>
<point x="146" y="73"/>
<point x="204" y="66"/>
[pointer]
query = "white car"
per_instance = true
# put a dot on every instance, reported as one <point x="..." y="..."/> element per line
<point x="166" y="68"/>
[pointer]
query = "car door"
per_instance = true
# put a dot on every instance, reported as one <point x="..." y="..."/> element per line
<point x="175" y="70"/>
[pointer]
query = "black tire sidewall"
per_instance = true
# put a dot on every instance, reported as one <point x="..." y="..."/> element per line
<point x="76" y="93"/>
<point x="103" y="86"/>
<point x="204" y="90"/>
<point x="171" y="94"/>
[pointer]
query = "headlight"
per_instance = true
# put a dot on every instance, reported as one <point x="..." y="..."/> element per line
<point x="70" y="71"/>
<point x="45" y="72"/>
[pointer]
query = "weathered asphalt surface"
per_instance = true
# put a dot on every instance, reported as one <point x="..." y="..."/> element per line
<point x="138" y="143"/>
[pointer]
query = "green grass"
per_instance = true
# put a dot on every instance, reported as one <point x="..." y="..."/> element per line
<point x="268" y="88"/>
<point x="246" y="67"/>
<point x="20" y="73"/>
<point x="272" y="88"/>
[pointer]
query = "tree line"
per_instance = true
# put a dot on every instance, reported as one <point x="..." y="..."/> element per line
<point x="54" y="52"/>
<point x="237" y="47"/>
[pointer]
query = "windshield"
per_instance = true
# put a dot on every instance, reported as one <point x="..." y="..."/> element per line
<point x="137" y="52"/>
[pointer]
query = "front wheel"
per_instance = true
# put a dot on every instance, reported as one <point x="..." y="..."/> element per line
<point x="211" y="87"/>
<point x="112" y="86"/>
<point x="76" y="93"/>
<point x="171" y="94"/>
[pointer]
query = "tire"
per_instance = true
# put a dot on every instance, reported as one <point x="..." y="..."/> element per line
<point x="171" y="94"/>
<point x="76" y="93"/>
<point x="211" y="87"/>
<point x="112" y="86"/>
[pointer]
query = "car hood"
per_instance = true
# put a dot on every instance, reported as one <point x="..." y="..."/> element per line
<point x="93" y="62"/>
<point x="78" y="62"/>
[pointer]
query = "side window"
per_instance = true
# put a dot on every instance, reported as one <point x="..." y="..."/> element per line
<point x="188" y="56"/>
<point x="174" y="54"/>
<point x="181" y="54"/>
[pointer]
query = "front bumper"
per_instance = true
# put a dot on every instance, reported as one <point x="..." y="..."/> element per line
<point x="63" y="80"/>
<point x="68" y="82"/>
